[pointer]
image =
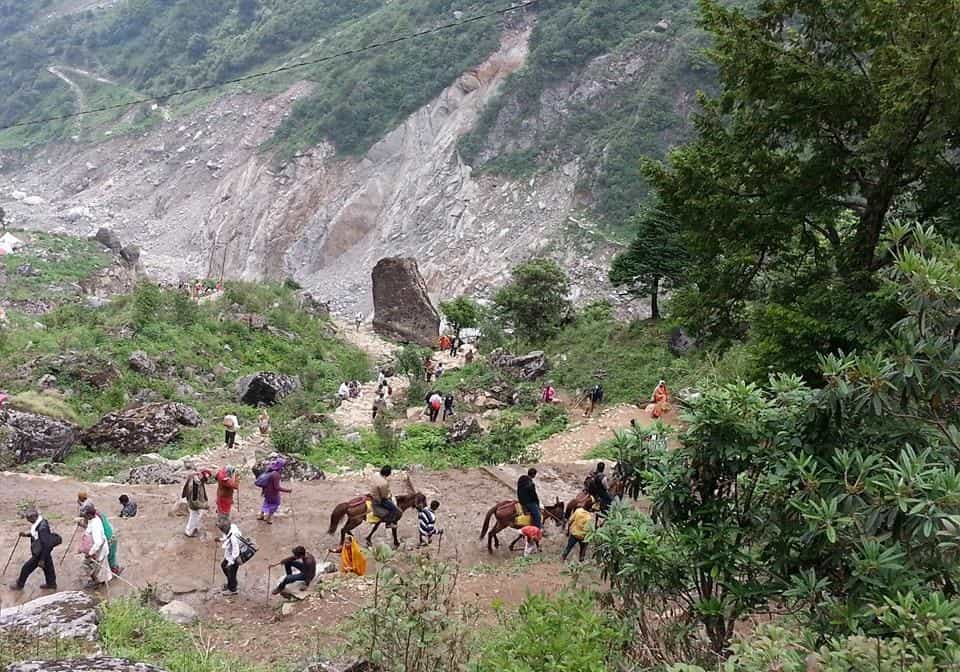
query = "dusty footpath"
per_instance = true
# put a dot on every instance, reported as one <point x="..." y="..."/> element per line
<point x="154" y="550"/>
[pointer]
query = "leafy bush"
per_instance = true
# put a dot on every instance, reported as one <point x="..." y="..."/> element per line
<point x="536" y="300"/>
<point x="290" y="438"/>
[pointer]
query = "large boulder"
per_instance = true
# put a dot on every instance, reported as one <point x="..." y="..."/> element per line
<point x="140" y="362"/>
<point x="141" y="429"/>
<point x="99" y="664"/>
<point x="109" y="239"/>
<point x="463" y="429"/>
<point x="525" y="367"/>
<point x="71" y="367"/>
<point x="266" y="387"/>
<point x="402" y="307"/>
<point x="179" y="612"/>
<point x="295" y="469"/>
<point x="680" y="342"/>
<point x="70" y="614"/>
<point x="309" y="303"/>
<point x="25" y="437"/>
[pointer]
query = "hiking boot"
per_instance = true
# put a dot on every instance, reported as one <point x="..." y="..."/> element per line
<point x="277" y="590"/>
<point x="226" y="592"/>
<point x="48" y="587"/>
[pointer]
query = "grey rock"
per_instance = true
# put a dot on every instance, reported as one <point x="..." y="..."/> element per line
<point x="402" y="306"/>
<point x="140" y="362"/>
<point x="27" y="271"/>
<point x="526" y="367"/>
<point x="353" y="437"/>
<point x="25" y="437"/>
<point x="265" y="387"/>
<point x="463" y="429"/>
<point x="70" y="614"/>
<point x="141" y="429"/>
<point x="130" y="254"/>
<point x="295" y="469"/>
<point x="308" y="303"/>
<point x="160" y="473"/>
<point x="109" y="239"/>
<point x="179" y="612"/>
<point x="47" y="381"/>
<point x="98" y="664"/>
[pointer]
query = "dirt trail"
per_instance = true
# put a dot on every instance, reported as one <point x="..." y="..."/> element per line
<point x="59" y="72"/>
<point x="584" y="434"/>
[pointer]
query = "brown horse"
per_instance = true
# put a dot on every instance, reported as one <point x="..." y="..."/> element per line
<point x="584" y="498"/>
<point x="355" y="512"/>
<point x="506" y="514"/>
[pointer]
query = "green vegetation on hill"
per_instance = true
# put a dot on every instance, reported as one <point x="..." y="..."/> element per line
<point x="56" y="264"/>
<point x="199" y="350"/>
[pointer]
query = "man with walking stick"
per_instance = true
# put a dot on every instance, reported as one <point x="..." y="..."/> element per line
<point x="42" y="543"/>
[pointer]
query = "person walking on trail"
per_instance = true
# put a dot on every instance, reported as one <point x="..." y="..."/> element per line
<point x="306" y="569"/>
<point x="263" y="422"/>
<point x="383" y="505"/>
<point x="597" y="485"/>
<point x="195" y="493"/>
<point x="580" y="523"/>
<point x="429" y="367"/>
<point x="434" y="404"/>
<point x="528" y="498"/>
<point x="455" y="345"/>
<point x="270" y="488"/>
<point x="94" y="548"/>
<point x="594" y="399"/>
<point x="230" y="427"/>
<point x="427" y="522"/>
<point x="448" y="406"/>
<point x="230" y="565"/>
<point x="358" y="321"/>
<point x="128" y="507"/>
<point x="379" y="406"/>
<point x="228" y="483"/>
<point x="42" y="542"/>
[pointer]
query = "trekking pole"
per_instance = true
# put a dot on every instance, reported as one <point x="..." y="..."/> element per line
<point x="293" y="514"/>
<point x="269" y="568"/>
<point x="10" y="559"/>
<point x="439" y="543"/>
<point x="66" y="552"/>
<point x="213" y="575"/>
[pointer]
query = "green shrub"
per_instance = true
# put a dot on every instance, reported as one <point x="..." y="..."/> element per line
<point x="44" y="404"/>
<point x="290" y="438"/>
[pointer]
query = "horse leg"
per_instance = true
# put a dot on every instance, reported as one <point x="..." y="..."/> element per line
<point x="349" y="526"/>
<point x="376" y="527"/>
<point x="396" y="541"/>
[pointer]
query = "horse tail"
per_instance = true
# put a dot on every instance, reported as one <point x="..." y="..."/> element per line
<point x="339" y="511"/>
<point x="486" y="522"/>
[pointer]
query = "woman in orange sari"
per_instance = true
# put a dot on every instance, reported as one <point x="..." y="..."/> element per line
<point x="660" y="401"/>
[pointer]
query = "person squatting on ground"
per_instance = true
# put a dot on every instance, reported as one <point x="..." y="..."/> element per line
<point x="230" y="428"/>
<point x="42" y="542"/>
<point x="427" y="522"/>
<point x="303" y="562"/>
<point x="230" y="565"/>
<point x="128" y="507"/>
<point x="195" y="493"/>
<point x="228" y="482"/>
<point x="528" y="498"/>
<point x="531" y="536"/>
<point x="270" y="488"/>
<point x="94" y="547"/>
<point x="579" y="526"/>
<point x="383" y="505"/>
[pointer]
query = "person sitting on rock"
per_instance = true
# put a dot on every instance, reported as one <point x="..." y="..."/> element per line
<point x="129" y="507"/>
<point x="304" y="563"/>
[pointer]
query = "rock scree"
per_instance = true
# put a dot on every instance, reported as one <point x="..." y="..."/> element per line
<point x="265" y="387"/>
<point x="401" y="304"/>
<point x="531" y="366"/>
<point x="141" y="429"/>
<point x="67" y="615"/>
<point x="25" y="437"/>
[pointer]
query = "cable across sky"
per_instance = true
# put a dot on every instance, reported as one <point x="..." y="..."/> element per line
<point x="283" y="68"/>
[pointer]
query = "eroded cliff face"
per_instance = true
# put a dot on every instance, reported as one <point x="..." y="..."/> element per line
<point x="202" y="198"/>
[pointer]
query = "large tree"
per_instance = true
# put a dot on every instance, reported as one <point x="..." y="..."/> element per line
<point x="536" y="301"/>
<point x="833" y="115"/>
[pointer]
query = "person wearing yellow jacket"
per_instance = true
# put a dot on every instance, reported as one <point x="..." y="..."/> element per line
<point x="580" y="523"/>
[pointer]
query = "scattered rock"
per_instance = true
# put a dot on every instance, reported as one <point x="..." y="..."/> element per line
<point x="34" y="200"/>
<point x="47" y="381"/>
<point x="463" y="429"/>
<point x="141" y="429"/>
<point x="140" y="362"/>
<point x="680" y="342"/>
<point x="70" y="614"/>
<point x="327" y="568"/>
<point x="308" y="303"/>
<point x="179" y="612"/>
<point x="130" y="254"/>
<point x="83" y="665"/>
<point x="662" y="26"/>
<point x="414" y="413"/>
<point x="402" y="307"/>
<point x="526" y="367"/>
<point x="71" y="366"/>
<point x="25" y="437"/>
<point x="160" y="473"/>
<point x="109" y="239"/>
<point x="265" y="388"/>
<point x="353" y="437"/>
<point x="296" y="469"/>
<point x="27" y="271"/>
<point x="287" y="609"/>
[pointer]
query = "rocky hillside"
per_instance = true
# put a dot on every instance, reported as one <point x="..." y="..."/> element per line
<point x="472" y="151"/>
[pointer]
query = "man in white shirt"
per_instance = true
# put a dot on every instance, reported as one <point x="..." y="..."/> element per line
<point x="230" y="542"/>
<point x="344" y="391"/>
<point x="230" y="427"/>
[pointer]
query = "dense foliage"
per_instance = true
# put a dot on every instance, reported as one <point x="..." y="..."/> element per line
<point x="536" y="301"/>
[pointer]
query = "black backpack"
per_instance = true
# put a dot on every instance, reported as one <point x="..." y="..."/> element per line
<point x="248" y="549"/>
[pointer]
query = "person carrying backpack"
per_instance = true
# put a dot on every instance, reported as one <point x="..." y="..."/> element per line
<point x="231" y="542"/>
<point x="448" y="406"/>
<point x="434" y="403"/>
<point x="269" y="484"/>
<point x="195" y="492"/>
<point x="42" y="543"/>
<point x="595" y="398"/>
<point x="596" y="486"/>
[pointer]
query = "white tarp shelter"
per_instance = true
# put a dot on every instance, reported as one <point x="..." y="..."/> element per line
<point x="9" y="243"/>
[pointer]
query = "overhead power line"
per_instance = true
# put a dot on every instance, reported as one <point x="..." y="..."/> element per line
<point x="284" y="68"/>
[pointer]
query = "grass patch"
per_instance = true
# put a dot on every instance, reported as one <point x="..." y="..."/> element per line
<point x="51" y="405"/>
<point x="133" y="631"/>
<point x="58" y="263"/>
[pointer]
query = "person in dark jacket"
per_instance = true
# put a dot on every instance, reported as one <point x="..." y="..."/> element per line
<point x="42" y="543"/>
<point x="527" y="496"/>
<point x="303" y="562"/>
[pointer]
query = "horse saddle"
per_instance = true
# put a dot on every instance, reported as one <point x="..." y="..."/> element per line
<point x="522" y="517"/>
<point x="376" y="513"/>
